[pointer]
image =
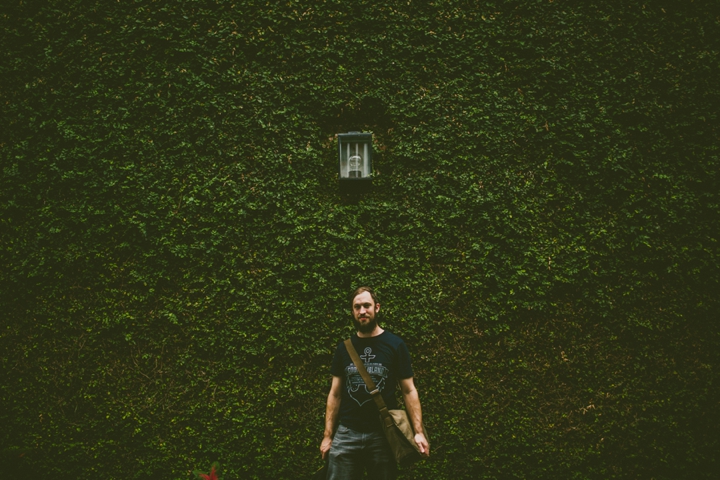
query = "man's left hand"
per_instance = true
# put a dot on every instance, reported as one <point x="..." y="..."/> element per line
<point x="422" y="444"/>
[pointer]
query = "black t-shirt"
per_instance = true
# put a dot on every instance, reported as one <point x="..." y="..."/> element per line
<point x="387" y="360"/>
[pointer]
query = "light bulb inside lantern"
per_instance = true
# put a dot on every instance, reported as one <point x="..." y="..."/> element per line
<point x="355" y="164"/>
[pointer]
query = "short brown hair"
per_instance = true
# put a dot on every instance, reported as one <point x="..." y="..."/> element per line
<point x="360" y="290"/>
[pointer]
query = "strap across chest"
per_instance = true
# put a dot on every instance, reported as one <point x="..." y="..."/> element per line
<point x="374" y="391"/>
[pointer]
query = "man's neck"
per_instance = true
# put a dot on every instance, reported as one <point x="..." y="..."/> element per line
<point x="374" y="333"/>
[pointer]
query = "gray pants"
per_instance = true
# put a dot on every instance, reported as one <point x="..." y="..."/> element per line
<point x="353" y="453"/>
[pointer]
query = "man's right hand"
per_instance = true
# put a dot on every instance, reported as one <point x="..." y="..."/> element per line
<point x="325" y="447"/>
<point x="422" y="444"/>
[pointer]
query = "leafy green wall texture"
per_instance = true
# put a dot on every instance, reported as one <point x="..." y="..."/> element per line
<point x="542" y="230"/>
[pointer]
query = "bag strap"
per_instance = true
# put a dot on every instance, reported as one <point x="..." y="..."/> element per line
<point x="374" y="391"/>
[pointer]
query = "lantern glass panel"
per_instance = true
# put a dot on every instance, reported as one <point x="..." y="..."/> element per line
<point x="355" y="159"/>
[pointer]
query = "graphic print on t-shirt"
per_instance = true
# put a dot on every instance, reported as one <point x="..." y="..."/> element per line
<point x="356" y="385"/>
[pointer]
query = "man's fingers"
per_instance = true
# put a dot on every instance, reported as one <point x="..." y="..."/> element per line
<point x="422" y="444"/>
<point x="422" y="447"/>
<point x="325" y="448"/>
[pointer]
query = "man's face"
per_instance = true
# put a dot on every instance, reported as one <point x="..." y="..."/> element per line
<point x="364" y="312"/>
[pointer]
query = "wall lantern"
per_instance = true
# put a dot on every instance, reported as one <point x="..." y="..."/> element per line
<point x="355" y="161"/>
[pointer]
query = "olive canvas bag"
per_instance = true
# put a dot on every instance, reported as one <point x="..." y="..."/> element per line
<point x="396" y="424"/>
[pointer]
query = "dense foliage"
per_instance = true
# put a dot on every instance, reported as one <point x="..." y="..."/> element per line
<point x="542" y="230"/>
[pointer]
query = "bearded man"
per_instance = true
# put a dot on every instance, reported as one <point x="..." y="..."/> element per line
<point x="354" y="441"/>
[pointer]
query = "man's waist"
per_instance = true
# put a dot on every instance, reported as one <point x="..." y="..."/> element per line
<point x="364" y="426"/>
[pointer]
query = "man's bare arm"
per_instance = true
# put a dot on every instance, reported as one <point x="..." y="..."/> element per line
<point x="412" y="403"/>
<point x="331" y="415"/>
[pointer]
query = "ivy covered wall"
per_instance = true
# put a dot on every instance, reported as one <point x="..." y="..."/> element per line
<point x="175" y="254"/>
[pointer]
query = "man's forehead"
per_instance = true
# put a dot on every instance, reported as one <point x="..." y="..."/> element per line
<point x="363" y="298"/>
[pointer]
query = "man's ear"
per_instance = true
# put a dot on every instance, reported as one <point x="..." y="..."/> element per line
<point x="377" y="307"/>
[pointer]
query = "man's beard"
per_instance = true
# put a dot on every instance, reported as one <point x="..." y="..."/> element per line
<point x="366" y="327"/>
